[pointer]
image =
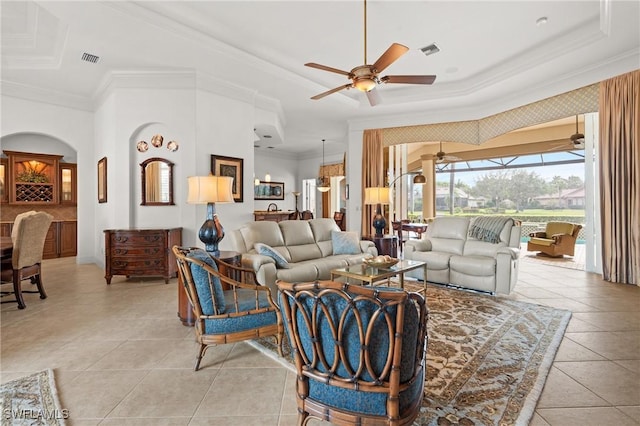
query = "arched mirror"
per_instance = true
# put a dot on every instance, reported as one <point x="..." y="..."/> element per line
<point x="157" y="182"/>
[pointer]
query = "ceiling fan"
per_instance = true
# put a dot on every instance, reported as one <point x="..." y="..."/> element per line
<point x="442" y="157"/>
<point x="576" y="141"/>
<point x="577" y="138"/>
<point x="366" y="77"/>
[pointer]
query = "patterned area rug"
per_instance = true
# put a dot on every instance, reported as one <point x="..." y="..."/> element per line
<point x="31" y="400"/>
<point x="487" y="357"/>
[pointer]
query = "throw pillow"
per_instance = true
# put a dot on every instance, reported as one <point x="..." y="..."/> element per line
<point x="201" y="281"/>
<point x="345" y="242"/>
<point x="267" y="250"/>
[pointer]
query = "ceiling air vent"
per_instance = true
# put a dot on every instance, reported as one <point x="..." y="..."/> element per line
<point x="90" y="58"/>
<point x="430" y="49"/>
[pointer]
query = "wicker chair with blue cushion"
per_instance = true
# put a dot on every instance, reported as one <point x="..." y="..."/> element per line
<point x="245" y="311"/>
<point x="359" y="352"/>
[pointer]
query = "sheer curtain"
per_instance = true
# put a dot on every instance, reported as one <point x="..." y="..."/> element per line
<point x="372" y="172"/>
<point x="620" y="178"/>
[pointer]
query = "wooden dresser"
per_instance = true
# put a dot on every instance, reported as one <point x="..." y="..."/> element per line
<point x="274" y="216"/>
<point x="141" y="252"/>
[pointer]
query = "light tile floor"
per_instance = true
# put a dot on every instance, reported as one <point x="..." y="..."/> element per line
<point x="122" y="357"/>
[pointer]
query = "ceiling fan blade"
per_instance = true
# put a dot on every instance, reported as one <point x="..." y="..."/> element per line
<point x="373" y="96"/>
<point x="326" y="68"/>
<point x="328" y="92"/>
<point x="409" y="79"/>
<point x="390" y="56"/>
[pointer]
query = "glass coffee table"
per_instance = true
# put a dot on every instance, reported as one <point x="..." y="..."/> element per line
<point x="372" y="274"/>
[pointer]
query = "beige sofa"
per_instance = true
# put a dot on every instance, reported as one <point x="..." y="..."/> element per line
<point x="457" y="255"/>
<point x="306" y="245"/>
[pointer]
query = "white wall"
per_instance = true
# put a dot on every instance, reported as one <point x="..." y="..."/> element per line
<point x="202" y="121"/>
<point x="75" y="128"/>
<point x="224" y="126"/>
<point x="281" y="169"/>
<point x="309" y="167"/>
<point x="38" y="143"/>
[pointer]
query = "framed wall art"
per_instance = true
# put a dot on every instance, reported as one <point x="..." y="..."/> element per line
<point x="233" y="167"/>
<point x="102" y="180"/>
<point x="269" y="191"/>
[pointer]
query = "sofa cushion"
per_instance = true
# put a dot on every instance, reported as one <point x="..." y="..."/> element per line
<point x="299" y="240"/>
<point x="345" y="242"/>
<point x="203" y="287"/>
<point x="448" y="234"/>
<point x="296" y="232"/>
<point x="542" y="241"/>
<point x="473" y="265"/>
<point x="265" y="232"/>
<point x="267" y="250"/>
<point x="481" y="248"/>
<point x="554" y="228"/>
<point x="436" y="260"/>
<point x="322" y="228"/>
<point x="303" y="271"/>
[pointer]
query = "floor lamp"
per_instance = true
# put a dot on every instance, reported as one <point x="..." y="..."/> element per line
<point x="297" y="213"/>
<point x="419" y="178"/>
<point x="378" y="196"/>
<point x="210" y="190"/>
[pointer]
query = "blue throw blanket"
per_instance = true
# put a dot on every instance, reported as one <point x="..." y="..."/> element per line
<point x="488" y="228"/>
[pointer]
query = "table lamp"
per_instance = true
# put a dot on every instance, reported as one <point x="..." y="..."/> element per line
<point x="210" y="190"/>
<point x="379" y="196"/>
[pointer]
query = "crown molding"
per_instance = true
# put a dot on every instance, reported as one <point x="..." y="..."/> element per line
<point x="37" y="94"/>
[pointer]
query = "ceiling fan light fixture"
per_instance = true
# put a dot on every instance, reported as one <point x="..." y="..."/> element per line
<point x="322" y="183"/>
<point x="577" y="138"/>
<point x="364" y="84"/>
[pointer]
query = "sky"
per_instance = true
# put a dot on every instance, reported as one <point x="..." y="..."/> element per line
<point x="545" y="172"/>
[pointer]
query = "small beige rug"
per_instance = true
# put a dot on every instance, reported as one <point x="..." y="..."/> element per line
<point x="487" y="358"/>
<point x="31" y="400"/>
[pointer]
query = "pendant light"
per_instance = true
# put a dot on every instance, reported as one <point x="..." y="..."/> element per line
<point x="322" y="182"/>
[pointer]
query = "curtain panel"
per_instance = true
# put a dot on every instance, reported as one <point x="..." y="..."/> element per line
<point x="372" y="173"/>
<point x="620" y="178"/>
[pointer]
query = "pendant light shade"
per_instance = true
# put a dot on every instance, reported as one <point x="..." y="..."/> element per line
<point x="323" y="184"/>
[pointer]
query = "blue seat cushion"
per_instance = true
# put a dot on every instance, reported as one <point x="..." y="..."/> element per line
<point x="246" y="302"/>
<point x="201" y="281"/>
<point x="364" y="402"/>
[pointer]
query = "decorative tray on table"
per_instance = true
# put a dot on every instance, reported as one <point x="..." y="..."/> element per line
<point x="381" y="261"/>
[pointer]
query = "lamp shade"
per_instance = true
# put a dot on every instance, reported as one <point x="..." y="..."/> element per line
<point x="210" y="189"/>
<point x="376" y="195"/>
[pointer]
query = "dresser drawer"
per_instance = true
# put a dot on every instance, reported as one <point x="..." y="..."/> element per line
<point x="137" y="239"/>
<point x="139" y="251"/>
<point x="136" y="267"/>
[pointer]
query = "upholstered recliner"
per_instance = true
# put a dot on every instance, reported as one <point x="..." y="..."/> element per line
<point x="359" y="352"/>
<point x="28" y="235"/>
<point x="478" y="253"/>
<point x="558" y="239"/>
